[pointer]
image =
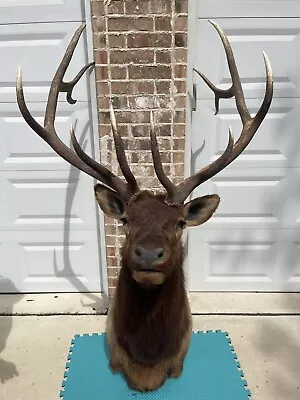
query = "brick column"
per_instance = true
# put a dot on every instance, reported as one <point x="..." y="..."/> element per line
<point x="140" y="49"/>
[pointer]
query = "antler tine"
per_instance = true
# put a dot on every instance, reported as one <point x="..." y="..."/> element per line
<point x="69" y="86"/>
<point x="107" y="177"/>
<point x="48" y="133"/>
<point x="120" y="151"/>
<point x="219" y="93"/>
<point x="164" y="180"/>
<point x="236" y="81"/>
<point x="250" y="125"/>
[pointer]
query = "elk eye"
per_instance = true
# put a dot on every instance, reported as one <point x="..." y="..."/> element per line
<point x="124" y="221"/>
<point x="181" y="224"/>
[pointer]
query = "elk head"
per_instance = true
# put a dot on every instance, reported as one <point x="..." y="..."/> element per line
<point x="153" y="223"/>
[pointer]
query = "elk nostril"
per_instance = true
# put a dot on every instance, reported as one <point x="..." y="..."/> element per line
<point x="160" y="254"/>
<point x="138" y="252"/>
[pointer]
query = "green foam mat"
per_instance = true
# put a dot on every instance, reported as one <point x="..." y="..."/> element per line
<point x="211" y="372"/>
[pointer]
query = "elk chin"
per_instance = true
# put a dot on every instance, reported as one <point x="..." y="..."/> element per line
<point x="149" y="278"/>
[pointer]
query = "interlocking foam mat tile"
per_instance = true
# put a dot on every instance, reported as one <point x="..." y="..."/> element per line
<point x="211" y="372"/>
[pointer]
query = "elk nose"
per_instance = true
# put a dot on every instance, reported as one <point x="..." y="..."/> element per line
<point x="148" y="256"/>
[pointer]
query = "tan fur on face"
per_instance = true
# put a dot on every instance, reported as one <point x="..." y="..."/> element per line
<point x="149" y="278"/>
<point x="140" y="377"/>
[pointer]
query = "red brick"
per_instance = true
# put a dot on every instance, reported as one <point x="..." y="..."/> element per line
<point x="180" y="71"/>
<point x="98" y="24"/>
<point x="101" y="73"/>
<point x="163" y="116"/>
<point x="97" y="8"/>
<point x="104" y="130"/>
<point x="136" y="88"/>
<point x="100" y="57"/>
<point x="178" y="157"/>
<point x="180" y="86"/>
<point x="181" y="23"/>
<point x="163" y="130"/>
<point x="112" y="282"/>
<point x="165" y="156"/>
<point x="181" y="6"/>
<point x="163" y="87"/>
<point x="163" y="57"/>
<point x="111" y="292"/>
<point x="110" y="240"/>
<point x="143" y="170"/>
<point x="145" y="157"/>
<point x="180" y="55"/>
<point x="120" y="102"/>
<point x="115" y="7"/>
<point x="149" y="40"/>
<point x="102" y="88"/>
<point x="118" y="72"/>
<point x="134" y="117"/>
<point x="162" y="23"/>
<point x="113" y="272"/>
<point x="179" y="130"/>
<point x="111" y="251"/>
<point x="140" y="131"/>
<point x="110" y="229"/>
<point x="149" y="72"/>
<point x="179" y="117"/>
<point x="103" y="103"/>
<point x="142" y="7"/>
<point x="137" y="56"/>
<point x="179" y="144"/>
<point x="99" y="40"/>
<point x="104" y="117"/>
<point x="161" y="6"/>
<point x="141" y="102"/>
<point x="130" y="24"/>
<point x="142" y="145"/>
<point x="162" y="102"/>
<point x="116" y="40"/>
<point x="132" y="87"/>
<point x="179" y="169"/>
<point x="180" y="39"/>
<point x="122" y="129"/>
<point x="180" y="101"/>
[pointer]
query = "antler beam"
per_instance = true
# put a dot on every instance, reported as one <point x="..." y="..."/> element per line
<point x="178" y="193"/>
<point x="48" y="133"/>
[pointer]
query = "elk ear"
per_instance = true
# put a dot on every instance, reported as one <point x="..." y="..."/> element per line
<point x="109" y="201"/>
<point x="199" y="210"/>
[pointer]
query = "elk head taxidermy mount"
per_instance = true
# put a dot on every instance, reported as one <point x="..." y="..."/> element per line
<point x="149" y="321"/>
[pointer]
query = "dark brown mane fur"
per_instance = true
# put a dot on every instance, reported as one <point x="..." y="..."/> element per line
<point x="150" y="322"/>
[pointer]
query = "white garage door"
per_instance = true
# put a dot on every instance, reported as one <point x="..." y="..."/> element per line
<point x="253" y="241"/>
<point x="49" y="222"/>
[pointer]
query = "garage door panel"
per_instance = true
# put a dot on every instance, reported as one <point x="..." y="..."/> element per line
<point x="264" y="260"/>
<point x="22" y="149"/>
<point x="275" y="144"/>
<point x="247" y="8"/>
<point x="25" y="11"/>
<point x="249" y="38"/>
<point x="53" y="261"/>
<point x="257" y="198"/>
<point x="48" y="200"/>
<point x="38" y="48"/>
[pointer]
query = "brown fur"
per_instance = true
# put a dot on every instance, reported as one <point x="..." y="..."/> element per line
<point x="143" y="377"/>
<point x="149" y="323"/>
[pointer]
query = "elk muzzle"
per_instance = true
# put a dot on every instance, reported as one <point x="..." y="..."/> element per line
<point x="148" y="264"/>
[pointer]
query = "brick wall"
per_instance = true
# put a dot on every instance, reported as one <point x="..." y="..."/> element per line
<point x="140" y="49"/>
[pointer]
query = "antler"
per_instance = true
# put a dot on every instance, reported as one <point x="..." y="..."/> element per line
<point x="47" y="132"/>
<point x="178" y="193"/>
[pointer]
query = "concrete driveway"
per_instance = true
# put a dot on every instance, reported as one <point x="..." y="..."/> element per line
<point x="34" y="350"/>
